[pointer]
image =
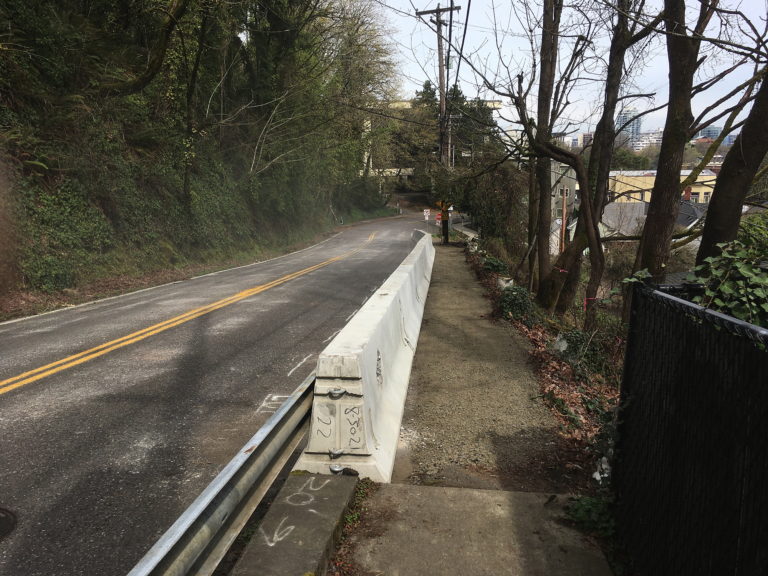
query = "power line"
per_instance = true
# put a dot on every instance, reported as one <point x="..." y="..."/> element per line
<point x="444" y="120"/>
<point x="448" y="51"/>
<point x="463" y="38"/>
<point x="458" y="67"/>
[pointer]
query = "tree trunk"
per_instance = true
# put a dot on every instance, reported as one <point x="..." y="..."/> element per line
<point x="596" y="256"/>
<point x="571" y="286"/>
<point x="560" y="289"/>
<point x="740" y="165"/>
<point x="533" y="224"/>
<point x="550" y="36"/>
<point x="551" y="290"/>
<point x="191" y="108"/>
<point x="682" y="57"/>
<point x="665" y="196"/>
<point x="544" y="185"/>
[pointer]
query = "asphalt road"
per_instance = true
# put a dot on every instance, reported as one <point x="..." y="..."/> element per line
<point x="116" y="414"/>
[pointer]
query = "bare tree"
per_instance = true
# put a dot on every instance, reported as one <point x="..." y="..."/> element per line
<point x="548" y="58"/>
<point x="559" y="289"/>
<point x="557" y="55"/>
<point x="740" y="166"/>
<point x="685" y="61"/>
<point x="735" y="42"/>
<point x="626" y="30"/>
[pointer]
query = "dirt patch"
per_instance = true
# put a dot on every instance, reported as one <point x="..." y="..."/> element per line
<point x="8" y="249"/>
<point x="474" y="416"/>
<point x="357" y="521"/>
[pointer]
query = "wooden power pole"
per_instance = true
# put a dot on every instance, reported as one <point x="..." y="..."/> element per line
<point x="445" y="153"/>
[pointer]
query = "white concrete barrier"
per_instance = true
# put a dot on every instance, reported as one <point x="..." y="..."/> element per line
<point x="362" y="376"/>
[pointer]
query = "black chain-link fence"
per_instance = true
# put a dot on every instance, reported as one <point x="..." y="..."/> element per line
<point x="691" y="472"/>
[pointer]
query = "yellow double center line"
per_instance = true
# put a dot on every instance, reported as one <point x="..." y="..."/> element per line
<point x="82" y="357"/>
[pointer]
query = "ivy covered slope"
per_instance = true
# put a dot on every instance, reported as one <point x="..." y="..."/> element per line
<point x="735" y="281"/>
<point x="142" y="134"/>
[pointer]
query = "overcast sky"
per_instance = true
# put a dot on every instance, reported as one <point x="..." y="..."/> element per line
<point x="416" y="44"/>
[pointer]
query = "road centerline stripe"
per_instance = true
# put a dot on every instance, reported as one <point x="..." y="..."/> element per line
<point x="86" y="355"/>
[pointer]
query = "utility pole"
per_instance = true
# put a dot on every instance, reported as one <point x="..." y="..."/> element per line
<point x="443" y="119"/>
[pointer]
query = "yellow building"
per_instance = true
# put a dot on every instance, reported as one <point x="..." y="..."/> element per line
<point x="636" y="186"/>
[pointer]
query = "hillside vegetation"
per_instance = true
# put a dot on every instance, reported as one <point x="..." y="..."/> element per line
<point x="139" y="135"/>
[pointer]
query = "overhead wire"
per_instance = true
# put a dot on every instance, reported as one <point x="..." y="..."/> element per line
<point x="463" y="38"/>
<point x="460" y="55"/>
<point x="448" y="55"/>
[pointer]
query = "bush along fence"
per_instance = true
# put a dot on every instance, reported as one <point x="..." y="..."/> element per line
<point x="692" y="464"/>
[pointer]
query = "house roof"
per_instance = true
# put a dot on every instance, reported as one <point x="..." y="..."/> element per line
<point x="627" y="218"/>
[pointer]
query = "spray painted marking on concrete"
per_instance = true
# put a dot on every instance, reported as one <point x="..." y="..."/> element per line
<point x="279" y="535"/>
<point x="70" y="361"/>
<point x="302" y="497"/>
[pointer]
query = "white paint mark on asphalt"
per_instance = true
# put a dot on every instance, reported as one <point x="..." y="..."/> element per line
<point x="299" y="365"/>
<point x="331" y="337"/>
<point x="271" y="403"/>
<point x="350" y="316"/>
<point x="228" y="324"/>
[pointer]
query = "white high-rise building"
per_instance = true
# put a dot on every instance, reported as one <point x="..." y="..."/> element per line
<point x="629" y="127"/>
<point x="647" y="139"/>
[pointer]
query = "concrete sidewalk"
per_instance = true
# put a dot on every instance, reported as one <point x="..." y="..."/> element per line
<point x="436" y="530"/>
<point x="449" y="527"/>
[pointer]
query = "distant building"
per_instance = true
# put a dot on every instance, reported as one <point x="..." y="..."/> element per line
<point x="716" y="163"/>
<point x="562" y="139"/>
<point x="711" y="132"/>
<point x="636" y="186"/>
<point x="514" y="138"/>
<point x="581" y="141"/>
<point x="408" y="104"/>
<point x="628" y="126"/>
<point x="647" y="139"/>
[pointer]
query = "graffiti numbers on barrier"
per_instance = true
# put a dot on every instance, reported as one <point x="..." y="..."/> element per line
<point x="324" y="415"/>
<point x="352" y="415"/>
<point x="325" y="433"/>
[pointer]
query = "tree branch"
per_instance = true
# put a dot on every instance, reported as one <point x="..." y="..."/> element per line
<point x="174" y="13"/>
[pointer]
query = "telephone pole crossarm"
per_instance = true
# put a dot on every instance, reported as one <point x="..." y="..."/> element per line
<point x="438" y="11"/>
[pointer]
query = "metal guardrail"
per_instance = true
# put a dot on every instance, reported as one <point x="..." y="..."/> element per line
<point x="199" y="539"/>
